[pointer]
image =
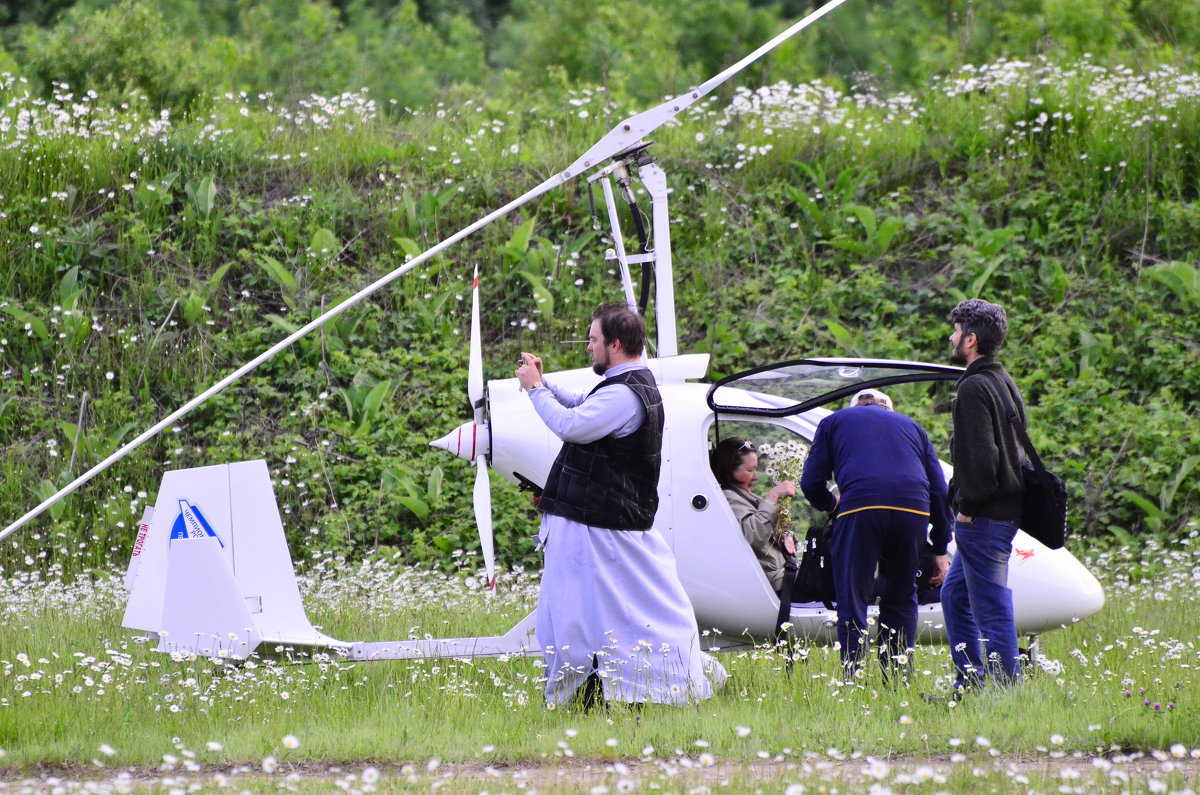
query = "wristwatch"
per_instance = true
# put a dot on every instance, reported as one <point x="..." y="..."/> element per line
<point x="538" y="385"/>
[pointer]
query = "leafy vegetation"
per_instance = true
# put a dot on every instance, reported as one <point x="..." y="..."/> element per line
<point x="165" y="219"/>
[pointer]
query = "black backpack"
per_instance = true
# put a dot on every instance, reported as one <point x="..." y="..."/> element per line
<point x="807" y="579"/>
<point x="814" y="574"/>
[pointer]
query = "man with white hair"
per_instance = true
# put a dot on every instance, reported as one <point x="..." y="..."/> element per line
<point x="869" y="397"/>
<point x="892" y="488"/>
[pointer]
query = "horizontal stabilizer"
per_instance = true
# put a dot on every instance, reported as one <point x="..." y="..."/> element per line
<point x="517" y="642"/>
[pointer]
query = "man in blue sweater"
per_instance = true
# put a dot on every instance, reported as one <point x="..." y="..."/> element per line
<point x="892" y="488"/>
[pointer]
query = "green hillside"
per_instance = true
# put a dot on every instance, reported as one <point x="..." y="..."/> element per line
<point x="162" y="223"/>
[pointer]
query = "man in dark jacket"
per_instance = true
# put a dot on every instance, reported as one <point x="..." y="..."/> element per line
<point x="892" y="488"/>
<point x="986" y="491"/>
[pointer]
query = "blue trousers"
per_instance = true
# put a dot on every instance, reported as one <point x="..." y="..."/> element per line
<point x="892" y="539"/>
<point x="977" y="604"/>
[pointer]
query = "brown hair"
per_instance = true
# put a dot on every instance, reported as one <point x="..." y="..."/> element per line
<point x="619" y="323"/>
<point x="726" y="457"/>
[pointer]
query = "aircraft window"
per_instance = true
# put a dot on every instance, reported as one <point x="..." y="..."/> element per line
<point x="781" y="390"/>
<point x="926" y="402"/>
<point x="768" y="437"/>
<point x="760" y="433"/>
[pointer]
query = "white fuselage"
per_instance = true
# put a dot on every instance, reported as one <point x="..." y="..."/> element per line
<point x="726" y="585"/>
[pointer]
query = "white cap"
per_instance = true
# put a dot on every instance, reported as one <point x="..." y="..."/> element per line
<point x="878" y="396"/>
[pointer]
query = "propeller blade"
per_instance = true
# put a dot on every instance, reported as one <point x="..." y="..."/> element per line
<point x="483" y="518"/>
<point x="475" y="361"/>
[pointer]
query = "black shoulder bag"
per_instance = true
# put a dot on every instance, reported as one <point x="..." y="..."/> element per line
<point x="1044" y="506"/>
<point x="810" y="574"/>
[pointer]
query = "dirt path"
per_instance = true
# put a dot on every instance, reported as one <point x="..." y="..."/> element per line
<point x="683" y="773"/>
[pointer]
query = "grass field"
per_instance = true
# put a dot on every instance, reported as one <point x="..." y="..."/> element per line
<point x="82" y="698"/>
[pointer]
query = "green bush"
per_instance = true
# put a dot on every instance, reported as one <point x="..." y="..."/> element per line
<point x="126" y="47"/>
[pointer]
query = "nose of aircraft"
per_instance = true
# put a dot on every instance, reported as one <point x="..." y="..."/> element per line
<point x="1081" y="593"/>
<point x="1055" y="590"/>
<point x="467" y="441"/>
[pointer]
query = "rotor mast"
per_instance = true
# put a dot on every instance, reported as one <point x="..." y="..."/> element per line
<point x="654" y="179"/>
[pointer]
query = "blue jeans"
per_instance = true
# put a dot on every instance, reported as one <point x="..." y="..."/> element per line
<point x="977" y="604"/>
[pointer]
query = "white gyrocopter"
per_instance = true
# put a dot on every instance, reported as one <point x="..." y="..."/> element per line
<point x="211" y="573"/>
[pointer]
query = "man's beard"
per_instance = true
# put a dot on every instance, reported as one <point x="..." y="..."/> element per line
<point x="958" y="355"/>
<point x="600" y="368"/>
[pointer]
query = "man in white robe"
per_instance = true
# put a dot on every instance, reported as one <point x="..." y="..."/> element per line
<point x="611" y="610"/>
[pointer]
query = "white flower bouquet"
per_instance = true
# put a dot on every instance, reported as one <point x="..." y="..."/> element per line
<point x="784" y="461"/>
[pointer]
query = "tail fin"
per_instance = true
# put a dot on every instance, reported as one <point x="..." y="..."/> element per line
<point x="214" y="575"/>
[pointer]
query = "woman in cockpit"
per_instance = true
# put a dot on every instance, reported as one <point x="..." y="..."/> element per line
<point x="735" y="463"/>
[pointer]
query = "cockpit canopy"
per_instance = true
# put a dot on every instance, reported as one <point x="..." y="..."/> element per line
<point x="794" y="387"/>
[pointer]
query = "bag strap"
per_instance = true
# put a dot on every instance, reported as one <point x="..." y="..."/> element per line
<point x="1022" y="434"/>
<point x="786" y="588"/>
<point x="790" y="570"/>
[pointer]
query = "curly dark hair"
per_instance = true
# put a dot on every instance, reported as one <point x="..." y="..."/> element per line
<point x="985" y="320"/>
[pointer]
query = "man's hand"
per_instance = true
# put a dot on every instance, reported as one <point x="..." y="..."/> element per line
<point x="529" y="358"/>
<point x="941" y="566"/>
<point x="963" y="519"/>
<point x="530" y="371"/>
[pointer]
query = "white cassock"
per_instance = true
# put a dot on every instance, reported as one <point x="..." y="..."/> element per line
<point x="611" y="600"/>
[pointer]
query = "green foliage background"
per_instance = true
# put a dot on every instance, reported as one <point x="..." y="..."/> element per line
<point x="184" y="184"/>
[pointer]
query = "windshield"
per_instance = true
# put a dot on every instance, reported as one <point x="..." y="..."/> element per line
<point x="780" y="390"/>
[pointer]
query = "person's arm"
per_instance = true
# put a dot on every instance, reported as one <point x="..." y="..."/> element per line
<point x="566" y="397"/>
<point x="758" y="524"/>
<point x="941" y="517"/>
<point x="532" y="377"/>
<point x="976" y="454"/>
<point x="614" y="410"/>
<point x="818" y="469"/>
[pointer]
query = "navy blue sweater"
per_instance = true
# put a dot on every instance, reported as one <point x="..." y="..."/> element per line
<point x="879" y="459"/>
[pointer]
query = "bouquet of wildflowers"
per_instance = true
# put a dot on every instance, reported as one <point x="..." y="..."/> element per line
<point x="784" y="461"/>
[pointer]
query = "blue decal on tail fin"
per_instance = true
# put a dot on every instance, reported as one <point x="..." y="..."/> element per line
<point x="191" y="524"/>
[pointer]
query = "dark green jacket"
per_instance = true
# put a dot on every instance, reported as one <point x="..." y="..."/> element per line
<point x="984" y="449"/>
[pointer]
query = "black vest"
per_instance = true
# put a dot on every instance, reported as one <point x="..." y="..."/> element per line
<point x="612" y="483"/>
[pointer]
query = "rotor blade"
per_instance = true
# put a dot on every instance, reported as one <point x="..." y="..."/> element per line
<point x="475" y="361"/>
<point x="357" y="298"/>
<point x="483" y="518"/>
<point x="621" y="137"/>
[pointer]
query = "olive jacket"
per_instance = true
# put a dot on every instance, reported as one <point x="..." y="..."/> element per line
<point x="757" y="517"/>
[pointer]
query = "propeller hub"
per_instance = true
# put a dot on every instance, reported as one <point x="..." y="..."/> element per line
<point x="468" y="441"/>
